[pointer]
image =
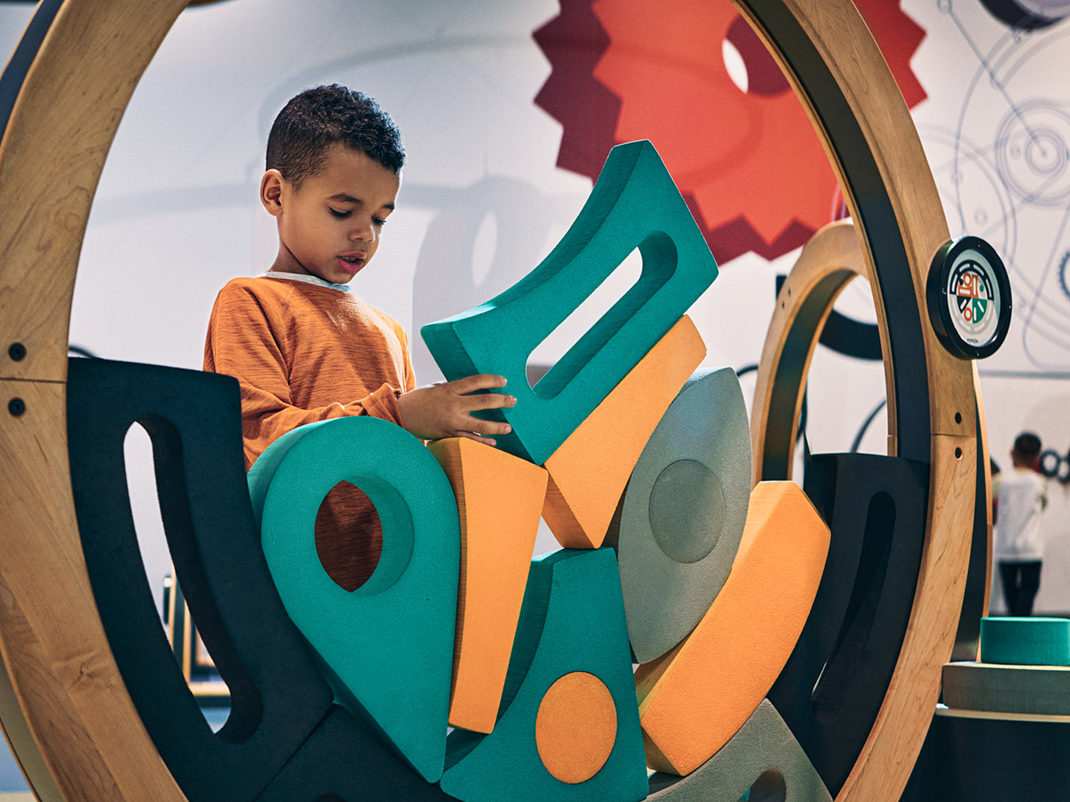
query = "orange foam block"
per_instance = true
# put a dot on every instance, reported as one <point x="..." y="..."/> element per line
<point x="695" y="697"/>
<point x="589" y="471"/>
<point x="499" y="498"/>
<point x="576" y="727"/>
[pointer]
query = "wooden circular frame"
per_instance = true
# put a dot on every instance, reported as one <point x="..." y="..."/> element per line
<point x="62" y="701"/>
<point x="828" y="262"/>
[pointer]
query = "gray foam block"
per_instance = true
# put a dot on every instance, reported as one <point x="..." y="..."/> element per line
<point x="763" y="757"/>
<point x="682" y="515"/>
<point x="1005" y="688"/>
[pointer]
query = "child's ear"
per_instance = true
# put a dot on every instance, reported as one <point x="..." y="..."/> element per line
<point x="271" y="192"/>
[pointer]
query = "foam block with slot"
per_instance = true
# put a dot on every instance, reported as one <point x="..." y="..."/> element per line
<point x="634" y="204"/>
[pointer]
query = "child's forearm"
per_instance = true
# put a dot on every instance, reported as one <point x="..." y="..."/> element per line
<point x="267" y="416"/>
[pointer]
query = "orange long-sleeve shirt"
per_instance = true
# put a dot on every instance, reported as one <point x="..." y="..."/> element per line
<point x="305" y="352"/>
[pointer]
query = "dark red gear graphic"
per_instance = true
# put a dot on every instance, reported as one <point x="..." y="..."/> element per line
<point x="748" y="163"/>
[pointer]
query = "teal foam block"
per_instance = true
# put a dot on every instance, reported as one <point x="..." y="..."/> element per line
<point x="1025" y="641"/>
<point x="634" y="204"/>
<point x="572" y="619"/>
<point x="683" y="513"/>
<point x="387" y="646"/>
<point x="1001" y="688"/>
<point x="762" y="757"/>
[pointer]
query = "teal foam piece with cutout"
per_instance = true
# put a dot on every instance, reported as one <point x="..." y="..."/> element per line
<point x="572" y="619"/>
<point x="683" y="513"/>
<point x="1025" y="641"/>
<point x="634" y="204"/>
<point x="387" y="647"/>
<point x="763" y="758"/>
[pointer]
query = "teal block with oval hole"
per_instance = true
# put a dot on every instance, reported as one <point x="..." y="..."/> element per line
<point x="387" y="646"/>
<point x="634" y="204"/>
<point x="572" y="620"/>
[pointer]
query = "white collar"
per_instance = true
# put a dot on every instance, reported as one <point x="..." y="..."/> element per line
<point x="307" y="278"/>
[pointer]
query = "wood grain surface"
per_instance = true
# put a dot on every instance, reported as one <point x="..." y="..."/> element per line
<point x="67" y="713"/>
<point x="66" y="709"/>
<point x="831" y="259"/>
<point x="838" y="73"/>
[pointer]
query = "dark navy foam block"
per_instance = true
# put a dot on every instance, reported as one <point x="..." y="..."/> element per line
<point x="278" y="695"/>
<point x="1025" y="641"/>
<point x="634" y="204"/>
<point x="996" y="757"/>
<point x="341" y="762"/>
<point x="388" y="645"/>
<point x="762" y="752"/>
<point x="572" y="620"/>
<point x="832" y="687"/>
<point x="1003" y="688"/>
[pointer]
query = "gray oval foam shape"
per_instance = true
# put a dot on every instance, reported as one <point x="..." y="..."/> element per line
<point x="683" y="512"/>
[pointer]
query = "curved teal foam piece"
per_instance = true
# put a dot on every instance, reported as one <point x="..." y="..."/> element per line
<point x="387" y="646"/>
<point x="762" y="757"/>
<point x="683" y="513"/>
<point x="634" y="204"/>
<point x="1025" y="641"/>
<point x="572" y="619"/>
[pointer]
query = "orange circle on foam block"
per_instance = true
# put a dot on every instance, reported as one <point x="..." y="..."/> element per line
<point x="576" y="727"/>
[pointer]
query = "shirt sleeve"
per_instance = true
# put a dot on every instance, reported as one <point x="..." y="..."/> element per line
<point x="409" y="378"/>
<point x="242" y="343"/>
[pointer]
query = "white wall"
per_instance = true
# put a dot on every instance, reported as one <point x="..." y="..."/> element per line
<point x="483" y="201"/>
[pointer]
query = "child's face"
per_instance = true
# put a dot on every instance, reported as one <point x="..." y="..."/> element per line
<point x="330" y="227"/>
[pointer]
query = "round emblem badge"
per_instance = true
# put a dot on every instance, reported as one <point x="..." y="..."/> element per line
<point x="969" y="298"/>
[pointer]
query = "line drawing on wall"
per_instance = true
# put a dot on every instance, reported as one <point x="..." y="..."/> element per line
<point x="1002" y="165"/>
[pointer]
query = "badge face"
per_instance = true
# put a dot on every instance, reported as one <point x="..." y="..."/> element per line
<point x="969" y="298"/>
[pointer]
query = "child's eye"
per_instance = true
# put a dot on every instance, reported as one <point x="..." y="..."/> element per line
<point x="338" y="214"/>
<point x="379" y="221"/>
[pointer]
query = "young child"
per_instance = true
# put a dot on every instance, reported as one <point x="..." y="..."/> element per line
<point x="1020" y="494"/>
<point x="303" y="347"/>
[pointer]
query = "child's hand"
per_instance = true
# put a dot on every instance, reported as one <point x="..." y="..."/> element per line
<point x="443" y="410"/>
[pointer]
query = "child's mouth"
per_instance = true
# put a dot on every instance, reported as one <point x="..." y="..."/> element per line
<point x="351" y="263"/>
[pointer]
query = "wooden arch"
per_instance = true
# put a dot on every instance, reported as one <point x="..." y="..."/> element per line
<point x="62" y="701"/>
<point x="828" y="262"/>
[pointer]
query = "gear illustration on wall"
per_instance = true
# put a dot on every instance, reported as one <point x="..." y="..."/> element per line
<point x="747" y="161"/>
<point x="1014" y="125"/>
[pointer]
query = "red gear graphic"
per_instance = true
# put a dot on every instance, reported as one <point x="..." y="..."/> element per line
<point x="748" y="164"/>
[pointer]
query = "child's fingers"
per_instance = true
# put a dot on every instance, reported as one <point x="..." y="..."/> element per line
<point x="478" y="438"/>
<point x="489" y="401"/>
<point x="480" y="381"/>
<point x="480" y="426"/>
<point x="477" y="428"/>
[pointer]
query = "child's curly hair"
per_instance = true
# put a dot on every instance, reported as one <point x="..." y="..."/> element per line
<point x="318" y="118"/>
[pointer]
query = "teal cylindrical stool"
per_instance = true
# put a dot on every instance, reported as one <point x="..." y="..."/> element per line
<point x="1026" y="641"/>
